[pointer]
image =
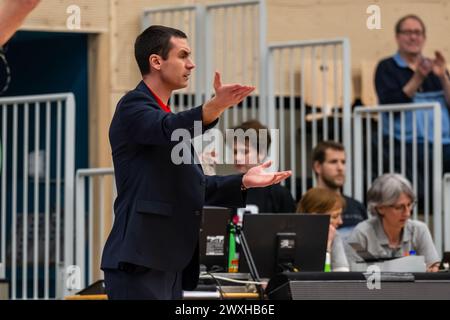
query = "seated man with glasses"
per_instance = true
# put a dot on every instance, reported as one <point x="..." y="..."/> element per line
<point x="390" y="233"/>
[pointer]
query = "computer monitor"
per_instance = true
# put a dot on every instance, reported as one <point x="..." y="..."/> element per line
<point x="213" y="238"/>
<point x="278" y="242"/>
<point x="445" y="263"/>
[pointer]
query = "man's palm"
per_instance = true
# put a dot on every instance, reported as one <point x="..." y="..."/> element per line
<point x="257" y="177"/>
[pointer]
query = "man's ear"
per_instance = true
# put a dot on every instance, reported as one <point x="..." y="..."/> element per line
<point x="317" y="167"/>
<point x="155" y="62"/>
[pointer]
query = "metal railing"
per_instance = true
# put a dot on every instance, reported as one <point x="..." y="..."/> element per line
<point x="92" y="216"/>
<point x="385" y="149"/>
<point x="446" y="210"/>
<point x="309" y="92"/>
<point x="38" y="141"/>
<point x="235" y="42"/>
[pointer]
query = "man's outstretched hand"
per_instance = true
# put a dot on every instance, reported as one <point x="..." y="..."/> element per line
<point x="12" y="14"/>
<point x="257" y="177"/>
<point x="226" y="96"/>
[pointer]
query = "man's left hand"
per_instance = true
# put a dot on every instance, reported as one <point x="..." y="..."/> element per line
<point x="256" y="177"/>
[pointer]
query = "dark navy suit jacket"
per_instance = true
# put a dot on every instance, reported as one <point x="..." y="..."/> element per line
<point x="159" y="204"/>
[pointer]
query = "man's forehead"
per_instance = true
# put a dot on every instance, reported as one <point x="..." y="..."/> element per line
<point x="333" y="154"/>
<point x="180" y="44"/>
<point x="411" y="23"/>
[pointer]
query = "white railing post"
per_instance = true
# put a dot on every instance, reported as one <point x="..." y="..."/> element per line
<point x="80" y="225"/>
<point x="69" y="173"/>
<point x="437" y="177"/>
<point x="83" y="247"/>
<point x="347" y="113"/>
<point x="446" y="210"/>
<point x="358" y="163"/>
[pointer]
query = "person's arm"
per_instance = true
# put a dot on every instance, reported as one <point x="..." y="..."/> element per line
<point x="225" y="191"/>
<point x="413" y="84"/>
<point x="339" y="261"/>
<point x="440" y="70"/>
<point x="147" y="124"/>
<point x="331" y="237"/>
<point x="12" y="14"/>
<point x="426" y="248"/>
<point x="445" y="82"/>
<point x="423" y="69"/>
<point x="388" y="85"/>
<point x="229" y="191"/>
<point x="356" y="242"/>
<point x="284" y="199"/>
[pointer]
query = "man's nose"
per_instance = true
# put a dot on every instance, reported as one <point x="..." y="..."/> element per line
<point x="190" y="65"/>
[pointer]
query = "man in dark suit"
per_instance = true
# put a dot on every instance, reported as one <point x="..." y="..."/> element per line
<point x="152" y="250"/>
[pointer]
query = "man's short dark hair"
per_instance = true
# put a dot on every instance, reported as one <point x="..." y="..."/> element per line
<point x="319" y="152"/>
<point x="154" y="40"/>
<point x="398" y="25"/>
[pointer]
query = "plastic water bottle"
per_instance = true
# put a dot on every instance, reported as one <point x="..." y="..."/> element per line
<point x="327" y="262"/>
<point x="232" y="254"/>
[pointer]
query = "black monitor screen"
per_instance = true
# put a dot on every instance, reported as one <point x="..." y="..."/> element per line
<point x="213" y="238"/>
<point x="280" y="241"/>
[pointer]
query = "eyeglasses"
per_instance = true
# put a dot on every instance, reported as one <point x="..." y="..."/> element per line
<point x="403" y="207"/>
<point x="418" y="33"/>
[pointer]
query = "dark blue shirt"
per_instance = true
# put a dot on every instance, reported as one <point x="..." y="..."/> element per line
<point x="393" y="74"/>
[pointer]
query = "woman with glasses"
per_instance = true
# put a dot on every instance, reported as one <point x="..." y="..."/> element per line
<point x="390" y="232"/>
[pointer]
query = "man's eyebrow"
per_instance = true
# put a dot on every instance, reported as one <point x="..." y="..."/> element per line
<point x="185" y="51"/>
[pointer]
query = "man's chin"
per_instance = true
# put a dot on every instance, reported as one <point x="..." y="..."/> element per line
<point x="338" y="184"/>
<point x="180" y="86"/>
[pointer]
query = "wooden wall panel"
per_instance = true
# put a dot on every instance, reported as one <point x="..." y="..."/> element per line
<point x="314" y="19"/>
<point x="51" y="15"/>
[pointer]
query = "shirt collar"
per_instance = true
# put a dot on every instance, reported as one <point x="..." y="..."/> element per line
<point x="382" y="237"/>
<point x="400" y="61"/>
<point x="407" y="231"/>
<point x="161" y="104"/>
<point x="379" y="231"/>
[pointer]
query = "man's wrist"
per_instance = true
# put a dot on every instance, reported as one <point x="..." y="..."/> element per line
<point x="419" y="76"/>
<point x="243" y="187"/>
<point x="210" y="112"/>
